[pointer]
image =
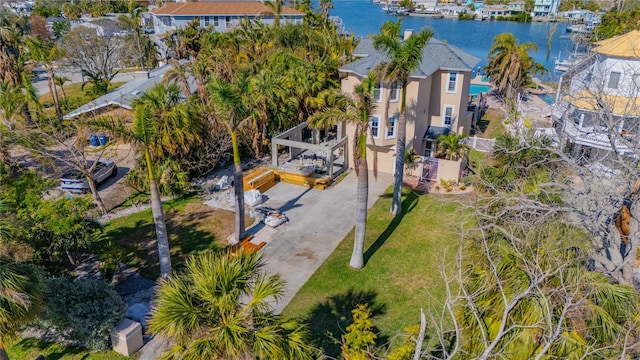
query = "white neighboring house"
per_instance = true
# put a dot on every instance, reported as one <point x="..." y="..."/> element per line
<point x="219" y="15"/>
<point x="545" y="8"/>
<point x="597" y="107"/>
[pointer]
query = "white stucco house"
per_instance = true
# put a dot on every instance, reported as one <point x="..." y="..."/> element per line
<point x="597" y="107"/>
<point x="545" y="8"/>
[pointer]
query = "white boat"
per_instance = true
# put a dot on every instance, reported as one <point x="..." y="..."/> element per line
<point x="565" y="64"/>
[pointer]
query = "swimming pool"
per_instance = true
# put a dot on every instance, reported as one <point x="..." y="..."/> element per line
<point x="548" y="98"/>
<point x="476" y="89"/>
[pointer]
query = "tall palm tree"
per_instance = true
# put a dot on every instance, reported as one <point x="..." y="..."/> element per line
<point x="178" y="74"/>
<point x="47" y="54"/>
<point x="405" y="57"/>
<point x="276" y="8"/>
<point x="267" y="93"/>
<point x="22" y="290"/>
<point x="229" y="103"/>
<point x="325" y="6"/>
<point x="220" y="308"/>
<point x="356" y="111"/>
<point x="510" y="66"/>
<point x="162" y="127"/>
<point x="451" y="146"/>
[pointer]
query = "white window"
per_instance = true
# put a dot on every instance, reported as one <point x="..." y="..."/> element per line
<point x="391" y="127"/>
<point x="207" y="21"/>
<point x="614" y="78"/>
<point x="448" y="116"/>
<point x="394" y="92"/>
<point x="375" y="126"/>
<point x="452" y="85"/>
<point x="216" y="23"/>
<point x="228" y="21"/>
<point x="166" y="21"/>
<point x="377" y="93"/>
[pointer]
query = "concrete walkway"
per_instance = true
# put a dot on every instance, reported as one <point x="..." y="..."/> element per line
<point x="318" y="221"/>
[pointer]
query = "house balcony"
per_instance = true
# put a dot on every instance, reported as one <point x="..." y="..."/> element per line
<point x="595" y="130"/>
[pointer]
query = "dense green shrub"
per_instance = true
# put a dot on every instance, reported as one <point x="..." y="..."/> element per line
<point x="84" y="310"/>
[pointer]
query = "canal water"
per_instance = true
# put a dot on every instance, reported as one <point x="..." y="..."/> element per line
<point x="363" y="17"/>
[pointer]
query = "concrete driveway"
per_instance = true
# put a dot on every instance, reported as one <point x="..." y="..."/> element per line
<point x="318" y="221"/>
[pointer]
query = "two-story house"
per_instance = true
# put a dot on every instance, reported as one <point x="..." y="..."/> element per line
<point x="221" y="16"/>
<point x="437" y="99"/>
<point x="545" y="8"/>
<point x="598" y="107"/>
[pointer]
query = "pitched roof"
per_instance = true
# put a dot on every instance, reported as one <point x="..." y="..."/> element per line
<point x="436" y="55"/>
<point x="627" y="45"/>
<point x="219" y="8"/>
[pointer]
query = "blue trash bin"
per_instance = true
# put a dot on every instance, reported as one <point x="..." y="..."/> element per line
<point x="102" y="138"/>
<point x="94" y="140"/>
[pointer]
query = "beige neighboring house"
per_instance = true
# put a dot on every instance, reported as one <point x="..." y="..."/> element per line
<point x="437" y="99"/>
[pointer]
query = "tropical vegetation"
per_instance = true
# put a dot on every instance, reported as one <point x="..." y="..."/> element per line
<point x="405" y="57"/>
<point x="357" y="111"/>
<point x="219" y="307"/>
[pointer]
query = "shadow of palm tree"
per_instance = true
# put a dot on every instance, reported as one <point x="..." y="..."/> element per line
<point x="409" y="203"/>
<point x="328" y="320"/>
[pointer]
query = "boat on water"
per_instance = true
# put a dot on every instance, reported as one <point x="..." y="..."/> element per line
<point x="580" y="29"/>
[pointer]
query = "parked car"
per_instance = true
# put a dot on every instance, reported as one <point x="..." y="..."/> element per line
<point x="74" y="181"/>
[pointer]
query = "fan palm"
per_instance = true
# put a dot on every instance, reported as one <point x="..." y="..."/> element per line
<point x="451" y="146"/>
<point x="405" y="57"/>
<point x="356" y="111"/>
<point x="22" y="291"/>
<point x="220" y="308"/>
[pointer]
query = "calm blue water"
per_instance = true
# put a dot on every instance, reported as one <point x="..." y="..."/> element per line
<point x="363" y="17"/>
<point x="548" y="98"/>
<point x="476" y="89"/>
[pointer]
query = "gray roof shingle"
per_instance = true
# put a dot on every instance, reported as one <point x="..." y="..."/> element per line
<point x="437" y="55"/>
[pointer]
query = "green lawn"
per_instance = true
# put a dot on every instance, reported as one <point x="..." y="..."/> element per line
<point x="491" y="124"/>
<point x="76" y="96"/>
<point x="31" y="348"/>
<point x="193" y="227"/>
<point x="403" y="257"/>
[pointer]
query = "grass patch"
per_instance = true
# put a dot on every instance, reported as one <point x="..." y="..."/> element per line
<point x="76" y="96"/>
<point x="491" y="124"/>
<point x="31" y="348"/>
<point x="192" y="226"/>
<point x="403" y="256"/>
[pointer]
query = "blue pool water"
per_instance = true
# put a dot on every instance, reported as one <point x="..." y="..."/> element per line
<point x="476" y="89"/>
<point x="548" y="98"/>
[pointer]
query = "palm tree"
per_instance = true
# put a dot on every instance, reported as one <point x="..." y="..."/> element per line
<point x="276" y="9"/>
<point x="22" y="291"/>
<point x="267" y="93"/>
<point x="162" y="127"/>
<point x="47" y="55"/>
<point x="405" y="56"/>
<point x="510" y="66"/>
<point x="229" y="103"/>
<point x="325" y="6"/>
<point x="178" y="74"/>
<point x="220" y="308"/>
<point x="451" y="146"/>
<point x="358" y="112"/>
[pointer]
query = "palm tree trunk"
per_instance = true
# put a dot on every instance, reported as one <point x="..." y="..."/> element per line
<point x="398" y="172"/>
<point x="3" y="352"/>
<point x="362" y="198"/>
<point x="96" y="195"/>
<point x="54" y="92"/>
<point x="237" y="187"/>
<point x="158" y="219"/>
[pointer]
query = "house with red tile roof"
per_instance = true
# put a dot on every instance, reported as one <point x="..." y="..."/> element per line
<point x="218" y="15"/>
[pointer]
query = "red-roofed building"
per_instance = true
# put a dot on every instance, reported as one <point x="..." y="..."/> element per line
<point x="220" y="15"/>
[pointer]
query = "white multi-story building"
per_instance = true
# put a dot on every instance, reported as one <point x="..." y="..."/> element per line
<point x="543" y="8"/>
<point x="598" y="107"/>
